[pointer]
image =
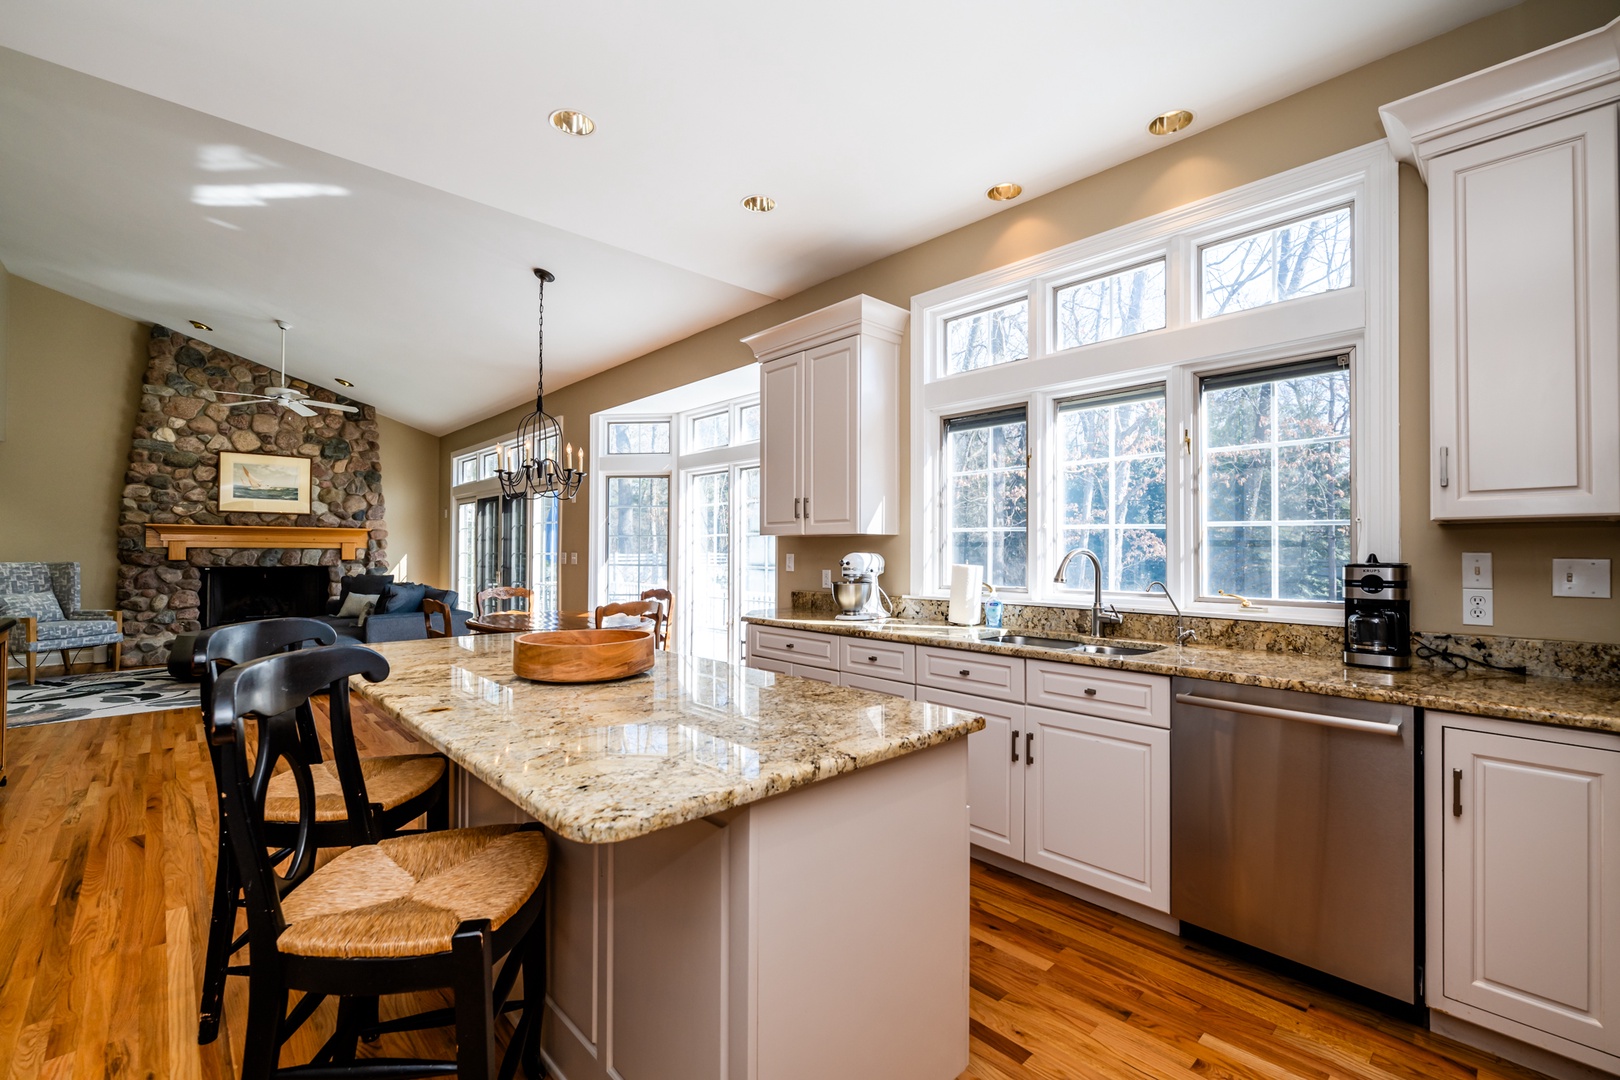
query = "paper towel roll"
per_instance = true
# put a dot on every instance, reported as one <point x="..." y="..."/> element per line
<point x="967" y="583"/>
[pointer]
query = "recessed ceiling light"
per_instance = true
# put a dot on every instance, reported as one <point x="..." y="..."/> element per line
<point x="1005" y="192"/>
<point x="1170" y="122"/>
<point x="571" y="122"/>
<point x="201" y="325"/>
<point x="343" y="382"/>
<point x="759" y="204"/>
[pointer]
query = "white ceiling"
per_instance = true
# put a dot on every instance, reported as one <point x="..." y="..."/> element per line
<point x="408" y="178"/>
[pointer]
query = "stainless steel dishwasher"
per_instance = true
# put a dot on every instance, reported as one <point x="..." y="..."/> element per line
<point x="1293" y="822"/>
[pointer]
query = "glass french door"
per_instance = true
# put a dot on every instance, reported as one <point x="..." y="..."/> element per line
<point x="493" y="548"/>
<point x="729" y="567"/>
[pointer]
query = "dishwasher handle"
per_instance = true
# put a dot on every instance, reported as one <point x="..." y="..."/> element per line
<point x="1373" y="726"/>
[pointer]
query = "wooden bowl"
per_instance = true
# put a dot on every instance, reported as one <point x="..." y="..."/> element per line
<point x="582" y="656"/>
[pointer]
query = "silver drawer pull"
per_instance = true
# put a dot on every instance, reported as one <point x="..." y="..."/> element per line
<point x="1290" y="714"/>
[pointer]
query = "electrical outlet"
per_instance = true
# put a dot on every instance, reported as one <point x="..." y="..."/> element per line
<point x="790" y="562"/>
<point x="1478" y="609"/>
<point x="1477" y="570"/>
<point x="826" y="579"/>
<point x="573" y="558"/>
<point x="1581" y="577"/>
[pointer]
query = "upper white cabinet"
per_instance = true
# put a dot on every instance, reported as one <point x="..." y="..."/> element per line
<point x="829" y="443"/>
<point x="1524" y="883"/>
<point x="1524" y="282"/>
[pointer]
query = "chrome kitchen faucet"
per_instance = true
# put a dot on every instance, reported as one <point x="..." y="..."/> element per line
<point x="1099" y="617"/>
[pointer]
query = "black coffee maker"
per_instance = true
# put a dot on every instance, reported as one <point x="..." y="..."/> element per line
<point x="1377" y="614"/>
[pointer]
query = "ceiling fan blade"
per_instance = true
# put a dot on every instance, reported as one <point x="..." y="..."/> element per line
<point x="238" y="393"/>
<point x="242" y="404"/>
<point x="330" y="405"/>
<point x="298" y="407"/>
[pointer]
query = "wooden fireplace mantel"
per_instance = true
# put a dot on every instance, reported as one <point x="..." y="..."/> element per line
<point x="181" y="538"/>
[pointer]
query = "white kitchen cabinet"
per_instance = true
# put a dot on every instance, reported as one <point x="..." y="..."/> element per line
<point x="1097" y="803"/>
<point x="829" y="447"/>
<point x="1524" y="283"/>
<point x="1524" y="879"/>
<point x="995" y="770"/>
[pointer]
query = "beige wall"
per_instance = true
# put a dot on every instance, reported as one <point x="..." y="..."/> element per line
<point x="410" y="481"/>
<point x="73" y="386"/>
<point x="1326" y="119"/>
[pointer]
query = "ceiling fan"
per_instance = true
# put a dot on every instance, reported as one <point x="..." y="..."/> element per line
<point x="288" y="397"/>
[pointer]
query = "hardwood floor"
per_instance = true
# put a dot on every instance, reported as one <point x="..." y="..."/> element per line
<point x="106" y="858"/>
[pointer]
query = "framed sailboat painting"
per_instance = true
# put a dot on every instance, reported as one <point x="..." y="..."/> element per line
<point x="263" y="483"/>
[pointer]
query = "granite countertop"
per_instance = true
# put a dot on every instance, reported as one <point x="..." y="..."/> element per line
<point x="604" y="762"/>
<point x="1538" y="699"/>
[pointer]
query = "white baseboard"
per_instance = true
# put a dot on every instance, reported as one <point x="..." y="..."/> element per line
<point x="1117" y="904"/>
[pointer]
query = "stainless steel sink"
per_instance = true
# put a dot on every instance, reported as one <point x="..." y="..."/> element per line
<point x="1066" y="644"/>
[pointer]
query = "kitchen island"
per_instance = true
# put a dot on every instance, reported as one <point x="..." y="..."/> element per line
<point x="754" y="876"/>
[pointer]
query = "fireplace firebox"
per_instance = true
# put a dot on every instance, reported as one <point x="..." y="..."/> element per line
<point x="241" y="593"/>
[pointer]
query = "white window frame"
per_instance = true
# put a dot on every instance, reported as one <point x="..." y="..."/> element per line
<point x="472" y="491"/>
<point x="1362" y="320"/>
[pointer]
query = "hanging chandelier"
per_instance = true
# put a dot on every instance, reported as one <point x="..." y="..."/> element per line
<point x="530" y="470"/>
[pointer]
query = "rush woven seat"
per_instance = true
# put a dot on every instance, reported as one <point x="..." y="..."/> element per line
<point x="390" y="783"/>
<point x="427" y="911"/>
<point x="407" y="896"/>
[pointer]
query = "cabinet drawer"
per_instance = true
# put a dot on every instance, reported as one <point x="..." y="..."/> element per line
<point x="971" y="672"/>
<point x="793" y="646"/>
<point x="882" y="686"/>
<point x="880" y="659"/>
<point x="1098" y="691"/>
<point x="765" y="663"/>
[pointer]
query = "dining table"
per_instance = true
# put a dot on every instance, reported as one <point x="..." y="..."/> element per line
<point x="526" y="622"/>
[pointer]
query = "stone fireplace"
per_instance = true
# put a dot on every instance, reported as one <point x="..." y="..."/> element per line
<point x="173" y="478"/>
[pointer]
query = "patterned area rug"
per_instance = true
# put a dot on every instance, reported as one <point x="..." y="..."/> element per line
<point x="102" y="693"/>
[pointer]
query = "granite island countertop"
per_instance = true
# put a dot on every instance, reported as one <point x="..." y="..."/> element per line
<point x="604" y="762"/>
<point x="1536" y="699"/>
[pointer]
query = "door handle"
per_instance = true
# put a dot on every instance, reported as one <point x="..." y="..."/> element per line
<point x="807" y="508"/>
<point x="1445" y="466"/>
<point x="1290" y="714"/>
<point x="1029" y="748"/>
<point x="796" y="509"/>
<point x="1456" y="793"/>
<point x="1015" y="745"/>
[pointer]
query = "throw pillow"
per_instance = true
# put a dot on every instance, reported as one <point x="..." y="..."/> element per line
<point x="32" y="605"/>
<point x="401" y="596"/>
<point x="369" y="584"/>
<point x="358" y="605"/>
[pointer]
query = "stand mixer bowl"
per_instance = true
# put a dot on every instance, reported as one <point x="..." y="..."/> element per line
<point x="851" y="596"/>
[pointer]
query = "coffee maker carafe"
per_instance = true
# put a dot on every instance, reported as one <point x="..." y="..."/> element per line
<point x="1377" y="614"/>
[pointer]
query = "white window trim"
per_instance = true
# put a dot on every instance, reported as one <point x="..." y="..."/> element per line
<point x="1362" y="319"/>
<point x="472" y="491"/>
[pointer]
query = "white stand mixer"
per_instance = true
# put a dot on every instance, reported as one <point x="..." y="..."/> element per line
<point x="858" y="596"/>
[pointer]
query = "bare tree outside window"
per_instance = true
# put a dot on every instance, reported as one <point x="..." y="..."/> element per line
<point x="995" y="336"/>
<point x="987" y="496"/>
<point x="1113" y="306"/>
<point x="1111" y="487"/>
<point x="1300" y="258"/>
<point x="1276" y="483"/>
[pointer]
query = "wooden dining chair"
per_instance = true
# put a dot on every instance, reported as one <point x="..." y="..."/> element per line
<point x="389" y="916"/>
<point x="503" y="592"/>
<point x="646" y="610"/>
<point x="432" y="607"/>
<point x="665" y="597"/>
<point x="394" y="791"/>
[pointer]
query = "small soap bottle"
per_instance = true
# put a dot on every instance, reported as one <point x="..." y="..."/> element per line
<point x="992" y="613"/>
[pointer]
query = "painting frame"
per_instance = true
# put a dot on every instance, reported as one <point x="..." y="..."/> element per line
<point x="286" y="481"/>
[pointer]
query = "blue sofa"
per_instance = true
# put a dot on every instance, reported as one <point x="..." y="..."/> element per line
<point x="398" y="614"/>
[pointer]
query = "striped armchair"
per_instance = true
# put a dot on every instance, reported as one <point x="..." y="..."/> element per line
<point x="44" y="599"/>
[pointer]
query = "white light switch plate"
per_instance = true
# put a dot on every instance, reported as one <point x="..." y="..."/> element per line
<point x="1581" y="577"/>
<point x="790" y="562"/>
<point x="1477" y="570"/>
<point x="826" y="579"/>
<point x="1478" y="607"/>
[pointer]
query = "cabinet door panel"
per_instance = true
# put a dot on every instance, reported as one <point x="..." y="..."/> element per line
<point x="1526" y="265"/>
<point x="782" y="405"/>
<point x="1098" y="804"/>
<point x="1532" y="898"/>
<point x="995" y="771"/>
<point x="831" y="436"/>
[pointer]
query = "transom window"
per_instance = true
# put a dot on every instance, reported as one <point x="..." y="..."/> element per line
<point x="1300" y="258"/>
<point x="997" y="335"/>
<point x="638" y="437"/>
<point x="1114" y="305"/>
